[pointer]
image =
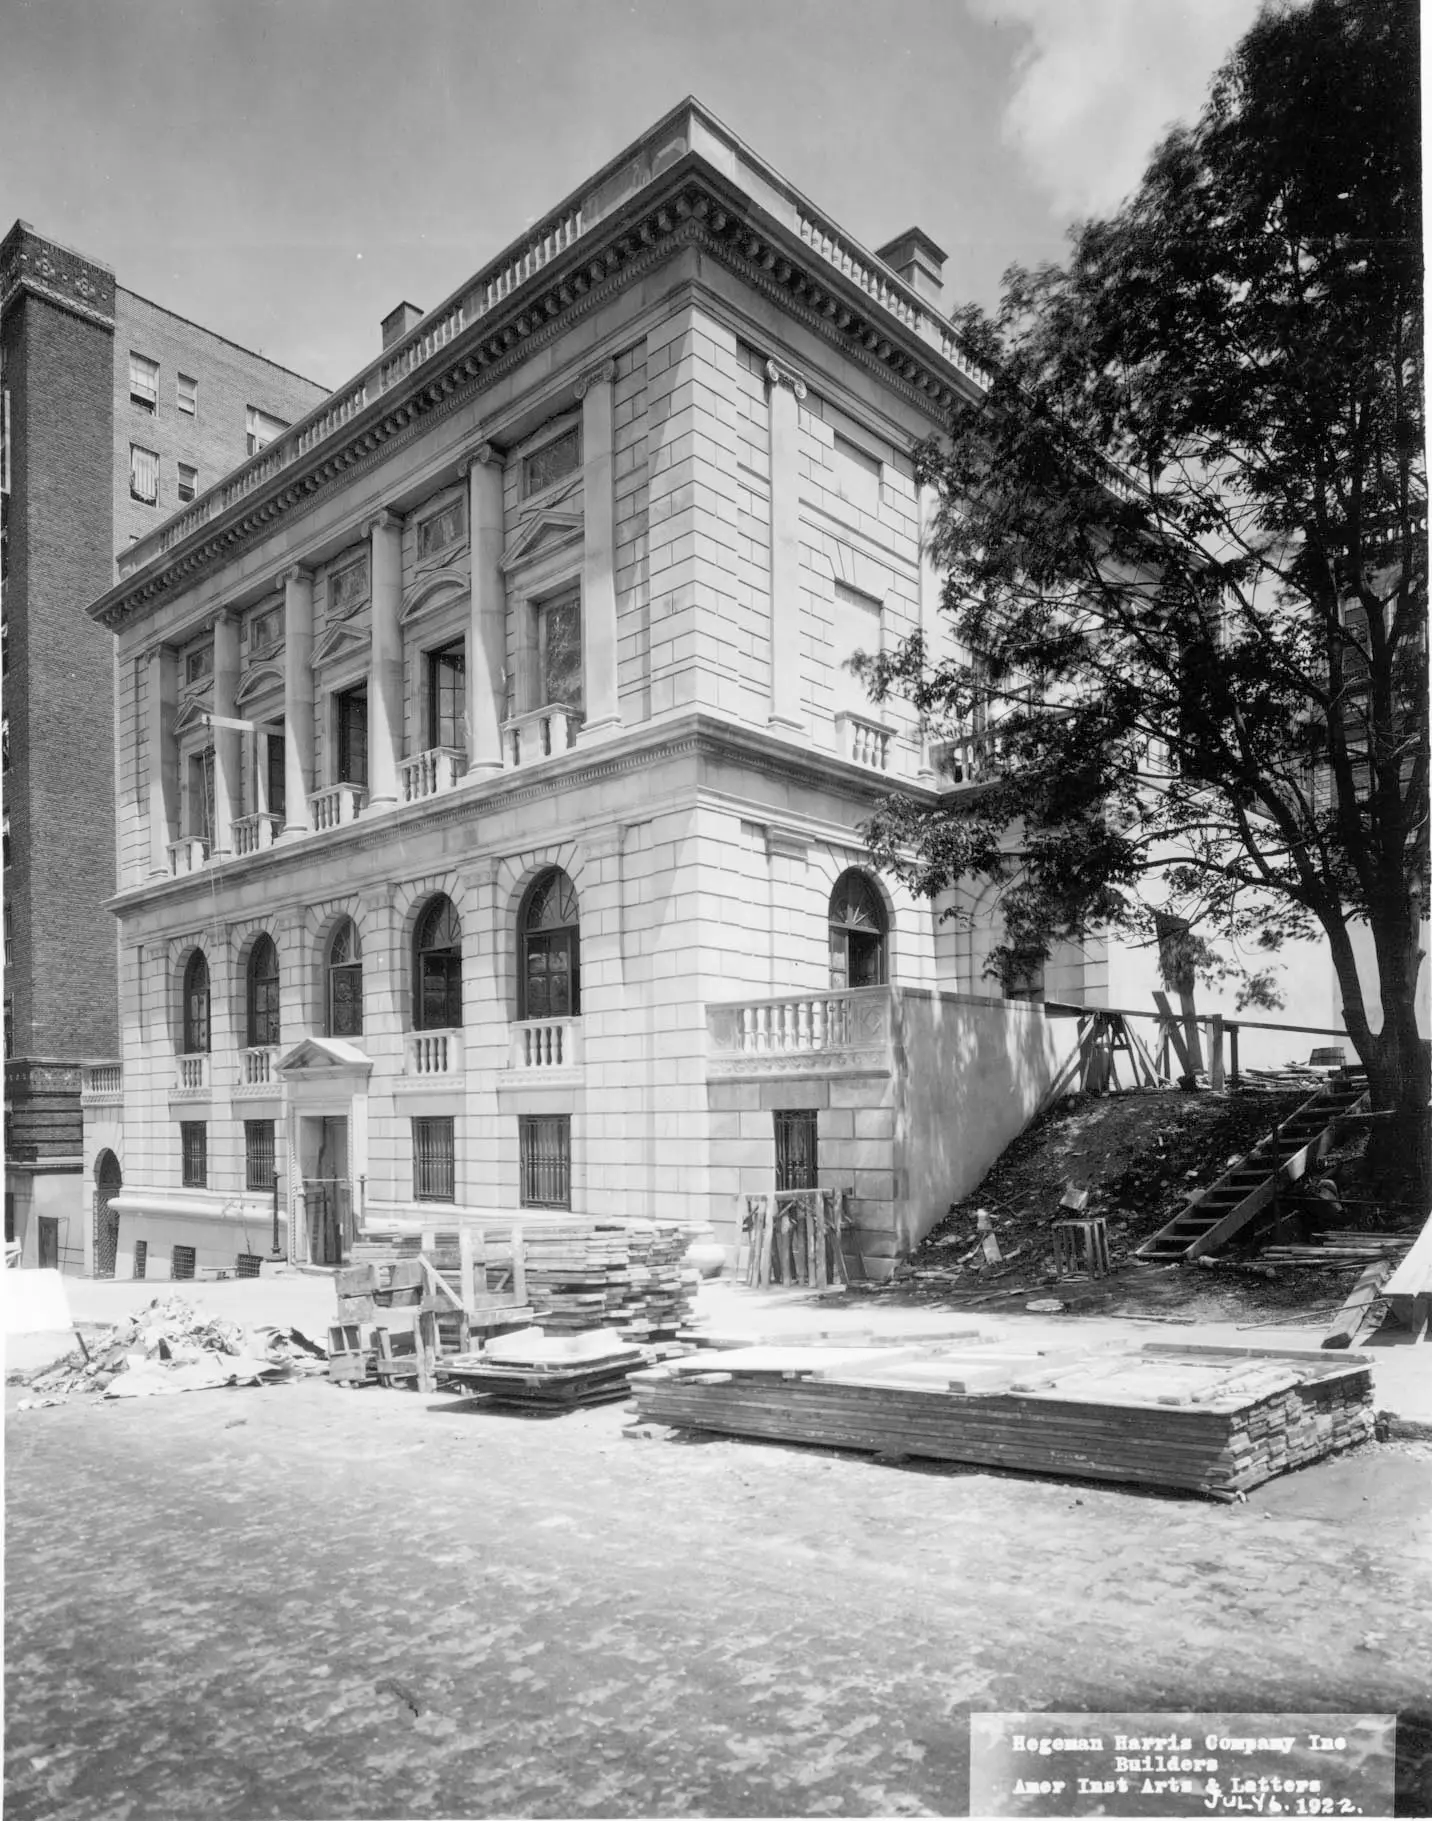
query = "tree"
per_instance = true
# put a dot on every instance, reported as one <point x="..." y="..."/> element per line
<point x="1184" y="541"/>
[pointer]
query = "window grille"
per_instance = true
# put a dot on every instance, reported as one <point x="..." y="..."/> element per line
<point x="551" y="462"/>
<point x="248" y="1264"/>
<point x="545" y="1153"/>
<point x="141" y="1257"/>
<point x="144" y="383"/>
<point x="434" y="1168"/>
<point x="143" y="475"/>
<point x="181" y="1262"/>
<point x="796" y="1151"/>
<point x="259" y="1154"/>
<point x="194" y="1147"/>
<point x="186" y="395"/>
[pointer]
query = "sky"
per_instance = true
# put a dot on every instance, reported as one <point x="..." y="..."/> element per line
<point x="286" y="171"/>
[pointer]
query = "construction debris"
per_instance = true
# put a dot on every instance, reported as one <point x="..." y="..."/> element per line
<point x="628" y="1275"/>
<point x="1202" y="1419"/>
<point x="548" y="1371"/>
<point x="171" y="1346"/>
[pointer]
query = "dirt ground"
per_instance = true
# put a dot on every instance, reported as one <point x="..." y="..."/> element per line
<point x="305" y="1602"/>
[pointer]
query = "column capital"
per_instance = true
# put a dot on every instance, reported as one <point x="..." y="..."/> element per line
<point x="604" y="370"/>
<point x="385" y="519"/>
<point x="295" y="574"/>
<point x="485" y="455"/>
<point x="778" y="373"/>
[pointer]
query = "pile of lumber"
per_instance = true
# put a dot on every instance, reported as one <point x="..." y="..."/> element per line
<point x="1209" y="1420"/>
<point x="549" y="1372"/>
<point x="1340" y="1250"/>
<point x="610" y="1274"/>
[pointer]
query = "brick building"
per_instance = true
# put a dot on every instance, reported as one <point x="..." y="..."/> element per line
<point x="520" y="866"/>
<point x="115" y="411"/>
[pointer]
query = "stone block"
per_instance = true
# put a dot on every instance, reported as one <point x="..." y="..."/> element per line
<point x="733" y="1096"/>
<point x="874" y="1122"/>
<point x="875" y="1185"/>
<point x="803" y="1093"/>
<point x="863" y="1091"/>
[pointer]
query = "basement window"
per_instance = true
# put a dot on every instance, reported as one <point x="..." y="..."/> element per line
<point x="141" y="1257"/>
<point x="181" y="1262"/>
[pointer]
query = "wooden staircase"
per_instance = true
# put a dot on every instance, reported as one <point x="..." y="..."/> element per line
<point x="1211" y="1218"/>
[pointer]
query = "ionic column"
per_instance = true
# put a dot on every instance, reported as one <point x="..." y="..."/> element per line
<point x="786" y="389"/>
<point x="487" y="613"/>
<point x="385" y="658"/>
<point x="599" y="580"/>
<point x="297" y="698"/>
<point x="226" y="739"/>
<point x="161" y="697"/>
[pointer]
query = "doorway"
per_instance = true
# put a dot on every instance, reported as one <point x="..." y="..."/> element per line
<point x="109" y="1180"/>
<point x="327" y="1190"/>
<point x="48" y="1236"/>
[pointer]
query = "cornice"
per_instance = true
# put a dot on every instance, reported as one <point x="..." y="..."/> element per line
<point x="690" y="205"/>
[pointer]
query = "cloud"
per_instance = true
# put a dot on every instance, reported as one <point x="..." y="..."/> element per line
<point x="1098" y="82"/>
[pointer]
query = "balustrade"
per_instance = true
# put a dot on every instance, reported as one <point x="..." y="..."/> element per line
<point x="188" y="855"/>
<point x="434" y="1052"/>
<point x="258" y="1065"/>
<point x="865" y="742"/>
<point x="256" y="832"/>
<point x="102" y="1081"/>
<point x="339" y="804"/>
<point x="547" y="1043"/>
<point x="192" y="1074"/>
<point x="430" y="773"/>
<point x="540" y="734"/>
<point x="852" y="1025"/>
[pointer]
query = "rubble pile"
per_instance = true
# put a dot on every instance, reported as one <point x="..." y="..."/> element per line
<point x="171" y="1346"/>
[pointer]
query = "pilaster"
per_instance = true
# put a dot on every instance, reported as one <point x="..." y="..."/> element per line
<point x="385" y="661"/>
<point x="226" y="739"/>
<point x="161" y="697"/>
<point x="487" y="624"/>
<point x="599" y="592"/>
<point x="786" y="390"/>
<point x="297" y="698"/>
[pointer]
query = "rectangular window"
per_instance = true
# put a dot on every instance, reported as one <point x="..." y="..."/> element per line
<point x="141" y="1257"/>
<point x="551" y="462"/>
<point x="350" y="715"/>
<point x="188" y="484"/>
<point x="544" y="1148"/>
<point x="181" y="1262"/>
<point x="186" y="395"/>
<point x="796" y="1151"/>
<point x="559" y="650"/>
<point x="276" y="777"/>
<point x="201" y="794"/>
<point x="9" y="937"/>
<point x="194" y="1152"/>
<point x="9" y="1026"/>
<point x="434" y="1169"/>
<point x="259" y="1155"/>
<point x="447" y="697"/>
<point x="348" y="587"/>
<point x="265" y="630"/>
<point x="260" y="429"/>
<point x="144" y="383"/>
<point x="143" y="475"/>
<point x="9" y="1217"/>
<point x="857" y="628"/>
<point x="199" y="664"/>
<point x="857" y="475"/>
<point x="442" y="529"/>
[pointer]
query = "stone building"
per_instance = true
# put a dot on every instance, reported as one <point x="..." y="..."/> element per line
<point x="115" y="412"/>
<point x="519" y="864"/>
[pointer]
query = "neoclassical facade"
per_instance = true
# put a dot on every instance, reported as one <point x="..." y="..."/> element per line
<point x="490" y="776"/>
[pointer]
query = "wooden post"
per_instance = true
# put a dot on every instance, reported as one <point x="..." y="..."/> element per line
<point x="1233" y="1055"/>
<point x="1216" y="1079"/>
<point x="464" y="1255"/>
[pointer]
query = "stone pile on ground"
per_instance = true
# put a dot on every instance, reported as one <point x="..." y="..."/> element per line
<point x="169" y="1346"/>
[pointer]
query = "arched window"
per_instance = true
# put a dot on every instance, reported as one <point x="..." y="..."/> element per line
<point x="345" y="982"/>
<point x="263" y="993"/>
<point x="548" y="975"/>
<point x="196" y="1005"/>
<point x="857" y="932"/>
<point x="437" y="968"/>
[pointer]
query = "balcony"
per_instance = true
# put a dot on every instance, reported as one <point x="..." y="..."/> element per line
<point x="539" y="735"/>
<point x="336" y="806"/>
<point x="254" y="833"/>
<point x="972" y="758"/>
<point x="548" y="1044"/>
<point x="188" y="855"/>
<point x="810" y="1034"/>
<point x="864" y="742"/>
<point x="430" y="773"/>
<point x="102" y="1084"/>
<point x="429" y="1054"/>
<point x="257" y="1066"/>
<point x="192" y="1074"/>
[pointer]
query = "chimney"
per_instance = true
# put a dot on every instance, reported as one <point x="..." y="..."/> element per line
<point x="397" y="323"/>
<point x="919" y="262"/>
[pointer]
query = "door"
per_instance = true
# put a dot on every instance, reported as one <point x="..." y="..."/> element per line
<point x="108" y="1182"/>
<point x="327" y="1192"/>
<point x="48" y="1233"/>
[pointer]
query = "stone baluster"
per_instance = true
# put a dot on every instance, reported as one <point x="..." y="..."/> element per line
<point x="817" y="1024"/>
<point x="297" y="698"/>
<point x="161" y="697"/>
<point x="385" y="658"/>
<point x="226" y="739"/>
<point x="599" y="583"/>
<point x="786" y="389"/>
<point x="487" y="614"/>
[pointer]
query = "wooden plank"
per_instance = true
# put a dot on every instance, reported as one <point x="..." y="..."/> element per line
<point x="1352" y="1317"/>
<point x="465" y="1266"/>
<point x="1172" y="1032"/>
<point x="519" y="1267"/>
